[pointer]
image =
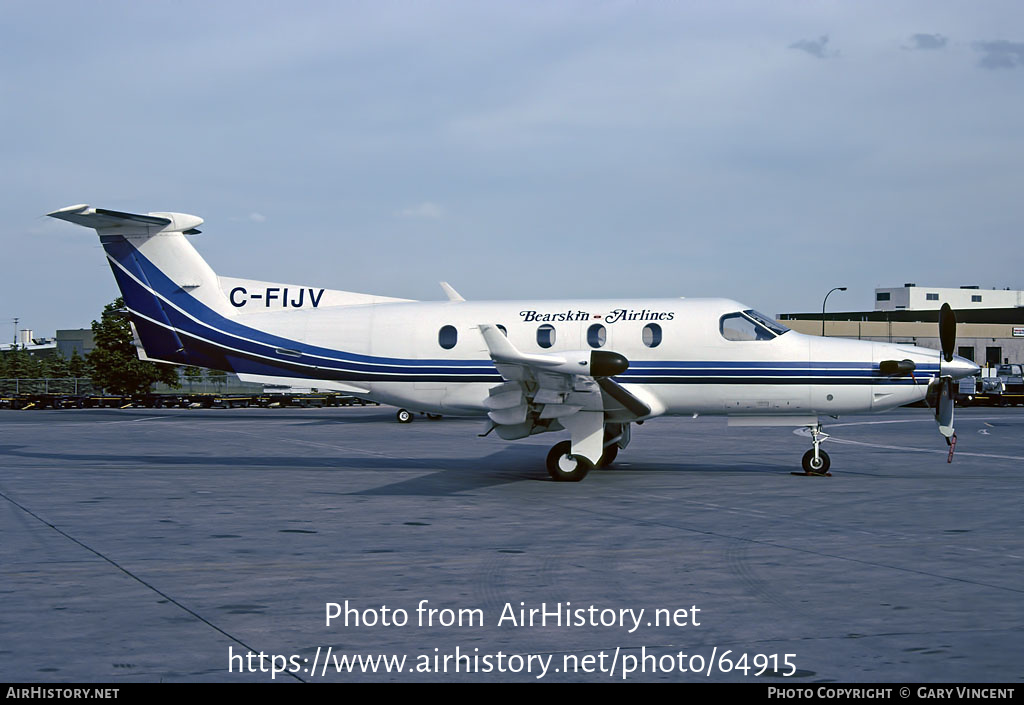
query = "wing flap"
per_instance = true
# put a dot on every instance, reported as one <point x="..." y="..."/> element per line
<point x="504" y="396"/>
<point x="557" y="391"/>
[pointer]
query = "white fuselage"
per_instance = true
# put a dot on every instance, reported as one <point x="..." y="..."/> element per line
<point x="684" y="356"/>
<point x="692" y="369"/>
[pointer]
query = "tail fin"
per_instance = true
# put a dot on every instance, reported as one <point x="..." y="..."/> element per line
<point x="159" y="272"/>
<point x="152" y="247"/>
<point x="183" y="313"/>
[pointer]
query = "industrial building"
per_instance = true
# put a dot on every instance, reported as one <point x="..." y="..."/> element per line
<point x="66" y="343"/>
<point x="989" y="331"/>
<point x="75" y="340"/>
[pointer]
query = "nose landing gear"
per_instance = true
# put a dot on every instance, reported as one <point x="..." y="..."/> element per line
<point x="816" y="461"/>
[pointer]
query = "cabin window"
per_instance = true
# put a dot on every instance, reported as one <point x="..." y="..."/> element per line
<point x="447" y="337"/>
<point x="597" y="336"/>
<point x="749" y="325"/>
<point x="546" y="336"/>
<point x="976" y="298"/>
<point x="651" y="335"/>
<point x="882" y="296"/>
<point x="932" y="297"/>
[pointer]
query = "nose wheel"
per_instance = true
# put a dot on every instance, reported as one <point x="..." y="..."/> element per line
<point x="816" y="461"/>
<point x="816" y="465"/>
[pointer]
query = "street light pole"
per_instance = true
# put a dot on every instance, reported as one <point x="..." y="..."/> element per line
<point x="838" y="288"/>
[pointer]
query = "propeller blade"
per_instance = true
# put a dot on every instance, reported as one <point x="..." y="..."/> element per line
<point x="941" y="389"/>
<point x="947" y="331"/>
<point x="931" y="397"/>
<point x="944" y="408"/>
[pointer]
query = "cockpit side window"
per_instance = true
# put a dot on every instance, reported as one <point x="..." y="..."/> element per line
<point x="749" y="325"/>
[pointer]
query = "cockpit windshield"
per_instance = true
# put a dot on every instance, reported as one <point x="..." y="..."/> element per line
<point x="767" y="321"/>
<point x="750" y="325"/>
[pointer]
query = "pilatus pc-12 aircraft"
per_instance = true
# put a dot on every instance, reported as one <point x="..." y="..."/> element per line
<point x="588" y="368"/>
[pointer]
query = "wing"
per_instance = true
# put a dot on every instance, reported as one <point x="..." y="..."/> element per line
<point x="571" y="390"/>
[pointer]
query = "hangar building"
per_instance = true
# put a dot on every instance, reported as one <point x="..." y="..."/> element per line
<point x="989" y="331"/>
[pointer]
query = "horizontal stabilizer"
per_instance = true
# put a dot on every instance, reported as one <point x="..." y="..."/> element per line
<point x="149" y="223"/>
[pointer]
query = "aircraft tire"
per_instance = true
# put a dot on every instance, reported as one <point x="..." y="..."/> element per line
<point x="404" y="416"/>
<point x="824" y="462"/>
<point x="608" y="457"/>
<point x="564" y="467"/>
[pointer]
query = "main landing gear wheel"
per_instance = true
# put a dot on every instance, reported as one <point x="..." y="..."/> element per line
<point x="565" y="467"/>
<point x="816" y="466"/>
<point x="609" y="456"/>
<point x="404" y="416"/>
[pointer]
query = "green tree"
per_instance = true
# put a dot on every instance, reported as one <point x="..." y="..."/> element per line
<point x="22" y="365"/>
<point x="77" y="366"/>
<point x="192" y="374"/>
<point x="116" y="366"/>
<point x="55" y="366"/>
<point x="217" y="377"/>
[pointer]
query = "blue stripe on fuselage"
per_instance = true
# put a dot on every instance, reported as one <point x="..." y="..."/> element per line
<point x="219" y="342"/>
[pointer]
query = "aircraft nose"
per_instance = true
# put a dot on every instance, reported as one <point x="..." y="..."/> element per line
<point x="957" y="367"/>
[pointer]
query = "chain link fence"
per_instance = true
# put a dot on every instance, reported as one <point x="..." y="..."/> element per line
<point x="47" y="385"/>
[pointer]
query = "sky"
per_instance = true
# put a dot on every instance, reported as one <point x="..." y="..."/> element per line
<point x="764" y="152"/>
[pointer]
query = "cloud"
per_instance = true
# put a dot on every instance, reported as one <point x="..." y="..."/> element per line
<point x="815" y="48"/>
<point x="1001" y="54"/>
<point x="253" y="217"/>
<point x="928" y="41"/>
<point x="423" y="210"/>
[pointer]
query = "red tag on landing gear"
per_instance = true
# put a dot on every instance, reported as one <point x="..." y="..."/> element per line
<point x="952" y="447"/>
